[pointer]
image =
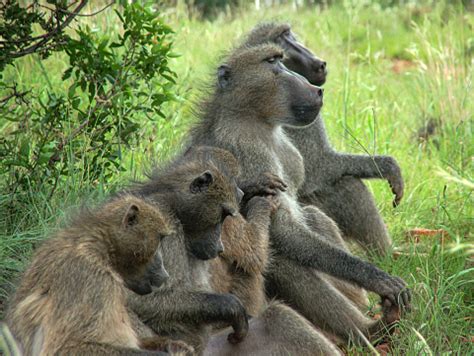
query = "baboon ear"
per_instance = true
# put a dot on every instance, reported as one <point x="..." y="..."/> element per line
<point x="201" y="183"/>
<point x="131" y="216"/>
<point x="223" y="76"/>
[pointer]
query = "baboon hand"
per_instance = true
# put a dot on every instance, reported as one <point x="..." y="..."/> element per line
<point x="267" y="184"/>
<point x="393" y="289"/>
<point x="239" y="321"/>
<point x="269" y="204"/>
<point x="273" y="183"/>
<point x="395" y="179"/>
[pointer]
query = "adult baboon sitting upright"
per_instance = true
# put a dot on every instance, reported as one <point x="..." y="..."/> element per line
<point x="333" y="179"/>
<point x="255" y="95"/>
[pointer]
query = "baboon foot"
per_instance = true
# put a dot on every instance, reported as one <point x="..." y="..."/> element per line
<point x="391" y="314"/>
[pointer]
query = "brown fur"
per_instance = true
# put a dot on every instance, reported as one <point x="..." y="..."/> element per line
<point x="71" y="299"/>
<point x="239" y="270"/>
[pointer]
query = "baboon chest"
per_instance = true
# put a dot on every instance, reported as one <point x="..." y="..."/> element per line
<point x="290" y="161"/>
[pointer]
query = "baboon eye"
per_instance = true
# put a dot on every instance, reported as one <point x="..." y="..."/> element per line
<point x="273" y="59"/>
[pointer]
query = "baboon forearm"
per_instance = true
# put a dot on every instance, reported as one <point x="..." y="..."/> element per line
<point x="365" y="166"/>
<point x="194" y="308"/>
<point x="307" y="248"/>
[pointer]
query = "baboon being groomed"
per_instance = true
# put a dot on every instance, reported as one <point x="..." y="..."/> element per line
<point x="71" y="299"/>
<point x="333" y="179"/>
<point x="254" y="97"/>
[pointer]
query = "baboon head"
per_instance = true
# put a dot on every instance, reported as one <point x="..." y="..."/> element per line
<point x="297" y="57"/>
<point x="201" y="196"/>
<point x="210" y="199"/>
<point x="255" y="82"/>
<point x="138" y="230"/>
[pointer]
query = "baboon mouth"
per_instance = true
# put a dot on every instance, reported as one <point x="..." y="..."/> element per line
<point x="305" y="114"/>
<point x="319" y="79"/>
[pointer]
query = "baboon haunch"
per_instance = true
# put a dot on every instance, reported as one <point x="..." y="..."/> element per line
<point x="333" y="179"/>
<point x="200" y="194"/>
<point x="71" y="299"/>
<point x="278" y="331"/>
<point x="255" y="95"/>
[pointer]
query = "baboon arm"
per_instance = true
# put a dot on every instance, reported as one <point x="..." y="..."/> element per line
<point x="366" y="167"/>
<point x="195" y="308"/>
<point x="246" y="241"/>
<point x="297" y="242"/>
<point x="324" y="165"/>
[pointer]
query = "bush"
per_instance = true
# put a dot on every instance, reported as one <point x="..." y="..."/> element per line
<point x="113" y="83"/>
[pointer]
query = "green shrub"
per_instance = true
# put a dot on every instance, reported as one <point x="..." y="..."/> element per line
<point x="112" y="84"/>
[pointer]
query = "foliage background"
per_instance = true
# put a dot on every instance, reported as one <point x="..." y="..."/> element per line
<point x="400" y="83"/>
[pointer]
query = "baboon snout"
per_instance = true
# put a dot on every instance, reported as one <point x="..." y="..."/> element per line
<point x="319" y="66"/>
<point x="220" y="248"/>
<point x="320" y="92"/>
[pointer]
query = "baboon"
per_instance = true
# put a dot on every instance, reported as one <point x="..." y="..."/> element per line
<point x="200" y="194"/>
<point x="240" y="267"/>
<point x="333" y="179"/>
<point x="254" y="97"/>
<point x="239" y="270"/>
<point x="71" y="299"/>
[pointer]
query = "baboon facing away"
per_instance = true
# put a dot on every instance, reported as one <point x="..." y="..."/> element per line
<point x="71" y="299"/>
<point x="254" y="97"/>
<point x="333" y="179"/>
<point x="200" y="195"/>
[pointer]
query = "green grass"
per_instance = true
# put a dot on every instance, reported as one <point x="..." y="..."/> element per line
<point x="368" y="108"/>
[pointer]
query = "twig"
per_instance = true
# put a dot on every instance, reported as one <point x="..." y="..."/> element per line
<point x="78" y="14"/>
<point x="49" y="35"/>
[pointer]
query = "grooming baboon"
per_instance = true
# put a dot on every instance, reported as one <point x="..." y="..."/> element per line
<point x="200" y="194"/>
<point x="333" y="179"/>
<point x="71" y="299"/>
<point x="256" y="95"/>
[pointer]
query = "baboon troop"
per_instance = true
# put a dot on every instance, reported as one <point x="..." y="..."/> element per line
<point x="237" y="245"/>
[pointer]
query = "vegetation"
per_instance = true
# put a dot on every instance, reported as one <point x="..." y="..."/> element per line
<point x="400" y="83"/>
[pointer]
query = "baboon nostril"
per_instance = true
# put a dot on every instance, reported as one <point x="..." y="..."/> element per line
<point x="320" y="91"/>
<point x="319" y="66"/>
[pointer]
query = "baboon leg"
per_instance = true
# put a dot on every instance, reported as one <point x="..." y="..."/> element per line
<point x="351" y="205"/>
<point x="310" y="293"/>
<point x="279" y="330"/>
<point x="328" y="230"/>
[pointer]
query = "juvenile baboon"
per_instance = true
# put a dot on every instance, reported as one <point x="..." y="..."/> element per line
<point x="255" y="95"/>
<point x="200" y="195"/>
<point x="71" y="299"/>
<point x="333" y="179"/>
